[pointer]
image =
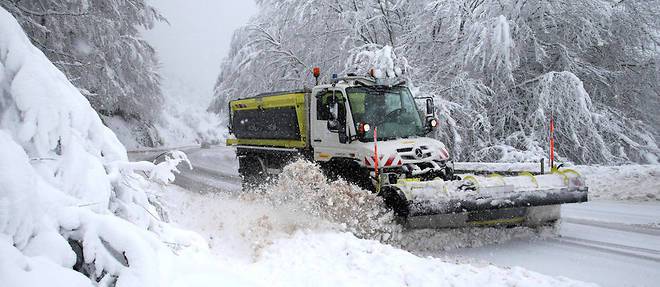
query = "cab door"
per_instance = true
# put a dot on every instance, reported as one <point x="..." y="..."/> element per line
<point x="328" y="139"/>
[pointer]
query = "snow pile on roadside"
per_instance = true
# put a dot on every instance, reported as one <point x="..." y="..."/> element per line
<point x="69" y="199"/>
<point x="626" y="182"/>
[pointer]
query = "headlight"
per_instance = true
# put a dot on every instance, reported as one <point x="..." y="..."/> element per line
<point x="363" y="128"/>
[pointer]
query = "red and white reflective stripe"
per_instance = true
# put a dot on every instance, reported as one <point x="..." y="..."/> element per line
<point x="443" y="153"/>
<point x="370" y="160"/>
<point x="389" y="161"/>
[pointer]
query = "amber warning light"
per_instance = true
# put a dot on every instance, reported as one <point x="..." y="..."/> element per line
<point x="316" y="71"/>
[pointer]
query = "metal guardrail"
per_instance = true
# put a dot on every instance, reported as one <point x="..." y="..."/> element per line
<point x="162" y="149"/>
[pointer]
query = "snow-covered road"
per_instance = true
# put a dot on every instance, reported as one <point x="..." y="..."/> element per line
<point x="612" y="243"/>
<point x="609" y="243"/>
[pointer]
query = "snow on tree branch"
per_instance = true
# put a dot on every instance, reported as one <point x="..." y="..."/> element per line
<point x="480" y="58"/>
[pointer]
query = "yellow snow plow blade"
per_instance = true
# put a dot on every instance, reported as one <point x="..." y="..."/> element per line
<point x="526" y="199"/>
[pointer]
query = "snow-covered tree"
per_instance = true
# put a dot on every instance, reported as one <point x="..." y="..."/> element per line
<point x="73" y="211"/>
<point x="499" y="69"/>
<point x="511" y="47"/>
<point x="97" y="45"/>
<point x="281" y="44"/>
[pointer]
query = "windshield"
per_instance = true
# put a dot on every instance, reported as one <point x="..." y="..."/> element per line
<point x="392" y="110"/>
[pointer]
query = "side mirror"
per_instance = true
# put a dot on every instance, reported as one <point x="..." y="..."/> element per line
<point x="430" y="108"/>
<point x="333" y="122"/>
<point x="333" y="125"/>
<point x="334" y="110"/>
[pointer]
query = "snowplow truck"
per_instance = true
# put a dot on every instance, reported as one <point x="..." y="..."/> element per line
<point x="373" y="133"/>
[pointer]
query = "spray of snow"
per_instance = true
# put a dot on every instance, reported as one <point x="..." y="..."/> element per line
<point x="302" y="198"/>
<point x="303" y="189"/>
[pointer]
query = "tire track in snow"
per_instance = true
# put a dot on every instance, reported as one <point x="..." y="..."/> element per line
<point x="631" y="251"/>
<point x="615" y="228"/>
<point x="636" y="228"/>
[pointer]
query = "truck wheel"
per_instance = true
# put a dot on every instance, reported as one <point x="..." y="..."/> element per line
<point x="449" y="174"/>
<point x="395" y="200"/>
<point x="252" y="170"/>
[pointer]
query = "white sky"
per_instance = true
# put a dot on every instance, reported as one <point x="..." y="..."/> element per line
<point x="192" y="47"/>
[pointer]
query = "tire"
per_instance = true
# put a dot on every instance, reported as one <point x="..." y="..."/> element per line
<point x="395" y="200"/>
<point x="449" y="174"/>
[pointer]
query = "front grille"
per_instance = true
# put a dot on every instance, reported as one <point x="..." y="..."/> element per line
<point x="409" y="153"/>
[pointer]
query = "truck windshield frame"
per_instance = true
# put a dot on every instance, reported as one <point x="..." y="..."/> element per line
<point x="392" y="109"/>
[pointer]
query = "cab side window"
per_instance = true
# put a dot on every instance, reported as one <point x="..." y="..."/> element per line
<point x="323" y="106"/>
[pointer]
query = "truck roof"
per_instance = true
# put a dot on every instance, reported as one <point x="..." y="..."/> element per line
<point x="261" y="95"/>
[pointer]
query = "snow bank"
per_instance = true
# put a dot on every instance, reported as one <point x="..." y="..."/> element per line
<point x="626" y="182"/>
<point x="69" y="198"/>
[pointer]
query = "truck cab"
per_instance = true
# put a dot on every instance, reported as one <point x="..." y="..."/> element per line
<point x="351" y="116"/>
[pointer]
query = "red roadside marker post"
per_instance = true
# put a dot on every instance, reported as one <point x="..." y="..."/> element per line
<point x="376" y="165"/>
<point x="552" y="143"/>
